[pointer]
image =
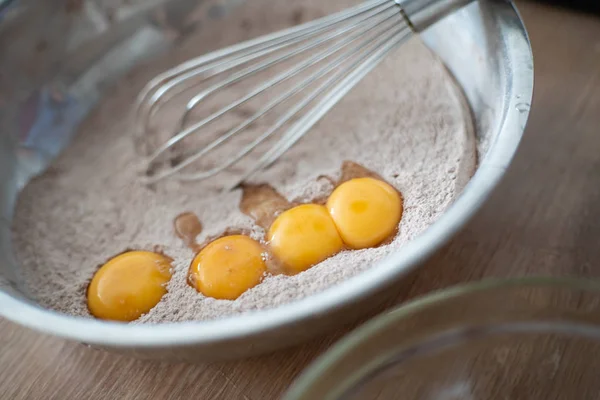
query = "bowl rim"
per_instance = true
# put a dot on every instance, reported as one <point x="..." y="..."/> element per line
<point x="319" y="367"/>
<point x="485" y="179"/>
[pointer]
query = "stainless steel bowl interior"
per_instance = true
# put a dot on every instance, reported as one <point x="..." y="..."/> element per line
<point x="531" y="338"/>
<point x="45" y="94"/>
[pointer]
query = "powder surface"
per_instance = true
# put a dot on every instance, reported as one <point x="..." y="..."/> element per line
<point x="406" y="120"/>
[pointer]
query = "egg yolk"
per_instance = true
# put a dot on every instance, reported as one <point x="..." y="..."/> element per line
<point x="129" y="285"/>
<point x="228" y="267"/>
<point x="304" y="236"/>
<point x="366" y="211"/>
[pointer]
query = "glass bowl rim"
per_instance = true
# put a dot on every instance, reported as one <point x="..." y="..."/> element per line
<point x="318" y="367"/>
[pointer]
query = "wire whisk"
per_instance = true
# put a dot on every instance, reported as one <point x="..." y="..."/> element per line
<point x="302" y="73"/>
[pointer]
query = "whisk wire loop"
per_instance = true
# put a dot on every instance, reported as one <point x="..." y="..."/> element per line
<point x="334" y="53"/>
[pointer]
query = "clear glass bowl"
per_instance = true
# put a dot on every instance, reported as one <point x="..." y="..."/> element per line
<point x="530" y="338"/>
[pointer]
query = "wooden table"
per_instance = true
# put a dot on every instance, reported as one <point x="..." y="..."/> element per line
<point x="544" y="218"/>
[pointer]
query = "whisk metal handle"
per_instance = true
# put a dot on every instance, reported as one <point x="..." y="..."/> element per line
<point x="421" y="14"/>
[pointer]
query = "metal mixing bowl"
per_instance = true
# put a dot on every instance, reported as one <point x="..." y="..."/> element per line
<point x="56" y="64"/>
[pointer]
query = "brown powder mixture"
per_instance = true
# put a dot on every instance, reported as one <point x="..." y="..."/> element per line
<point x="406" y="120"/>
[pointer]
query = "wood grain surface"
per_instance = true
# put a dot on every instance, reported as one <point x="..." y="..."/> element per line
<point x="543" y="219"/>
